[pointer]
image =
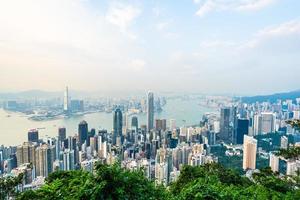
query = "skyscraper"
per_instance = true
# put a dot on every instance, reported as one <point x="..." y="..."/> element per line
<point x="33" y="135"/>
<point x="45" y="156"/>
<point x="25" y="153"/>
<point x="134" y="122"/>
<point x="117" y="124"/>
<point x="242" y="129"/>
<point x="225" y="124"/>
<point x="268" y="123"/>
<point x="257" y="125"/>
<point x="82" y="132"/>
<point x="66" y="101"/>
<point x="249" y="154"/>
<point x="61" y="133"/>
<point x="150" y="111"/>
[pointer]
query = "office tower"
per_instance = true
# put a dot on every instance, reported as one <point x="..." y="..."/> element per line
<point x="62" y="133"/>
<point x="164" y="124"/>
<point x="242" y="129"/>
<point x="117" y="125"/>
<point x="158" y="124"/>
<point x="45" y="156"/>
<point x="90" y="135"/>
<point x="66" y="101"/>
<point x="233" y="122"/>
<point x="268" y="123"/>
<point x="150" y="111"/>
<point x="25" y="153"/>
<point x="225" y="124"/>
<point x="172" y="124"/>
<point x="33" y="135"/>
<point x="134" y="122"/>
<point x="82" y="132"/>
<point x="249" y="154"/>
<point x="257" y="126"/>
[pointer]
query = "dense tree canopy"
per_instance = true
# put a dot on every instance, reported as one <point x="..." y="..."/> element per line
<point x="215" y="182"/>
<point x="8" y="186"/>
<point x="107" y="182"/>
<point x="210" y="181"/>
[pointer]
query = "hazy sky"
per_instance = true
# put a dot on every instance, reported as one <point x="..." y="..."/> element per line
<point x="216" y="46"/>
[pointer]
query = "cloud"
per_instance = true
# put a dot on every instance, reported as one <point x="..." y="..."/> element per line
<point x="254" y="5"/>
<point x="122" y="15"/>
<point x="207" y="6"/>
<point x="284" y="29"/>
<point x="280" y="33"/>
<point x="58" y="42"/>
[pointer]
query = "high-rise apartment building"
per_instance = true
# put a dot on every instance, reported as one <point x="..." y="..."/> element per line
<point x="268" y="123"/>
<point x="45" y="156"/>
<point x="25" y="153"/>
<point x="249" y="154"/>
<point x="257" y="125"/>
<point x="274" y="162"/>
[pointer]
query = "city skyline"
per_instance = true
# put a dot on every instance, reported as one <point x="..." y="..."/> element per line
<point x="192" y="46"/>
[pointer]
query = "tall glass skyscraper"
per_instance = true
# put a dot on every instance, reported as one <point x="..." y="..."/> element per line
<point x="82" y="132"/>
<point x="118" y="125"/>
<point x="150" y="111"/>
<point x="225" y="124"/>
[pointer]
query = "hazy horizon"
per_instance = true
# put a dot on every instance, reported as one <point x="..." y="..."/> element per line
<point x="203" y="46"/>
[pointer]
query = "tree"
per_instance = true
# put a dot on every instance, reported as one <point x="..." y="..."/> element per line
<point x="8" y="186"/>
<point x="107" y="182"/>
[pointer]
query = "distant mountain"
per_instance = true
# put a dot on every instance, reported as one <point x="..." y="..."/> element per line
<point x="273" y="97"/>
<point x="41" y="94"/>
<point x="29" y="94"/>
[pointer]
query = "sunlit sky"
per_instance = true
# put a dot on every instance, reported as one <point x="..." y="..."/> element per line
<point x="210" y="46"/>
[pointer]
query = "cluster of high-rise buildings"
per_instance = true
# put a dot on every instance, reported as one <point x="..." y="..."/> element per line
<point x="159" y="147"/>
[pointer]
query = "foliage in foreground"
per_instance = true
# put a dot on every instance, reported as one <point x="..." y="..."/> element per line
<point x="215" y="182"/>
<point x="108" y="182"/>
<point x="7" y="186"/>
<point x="210" y="181"/>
